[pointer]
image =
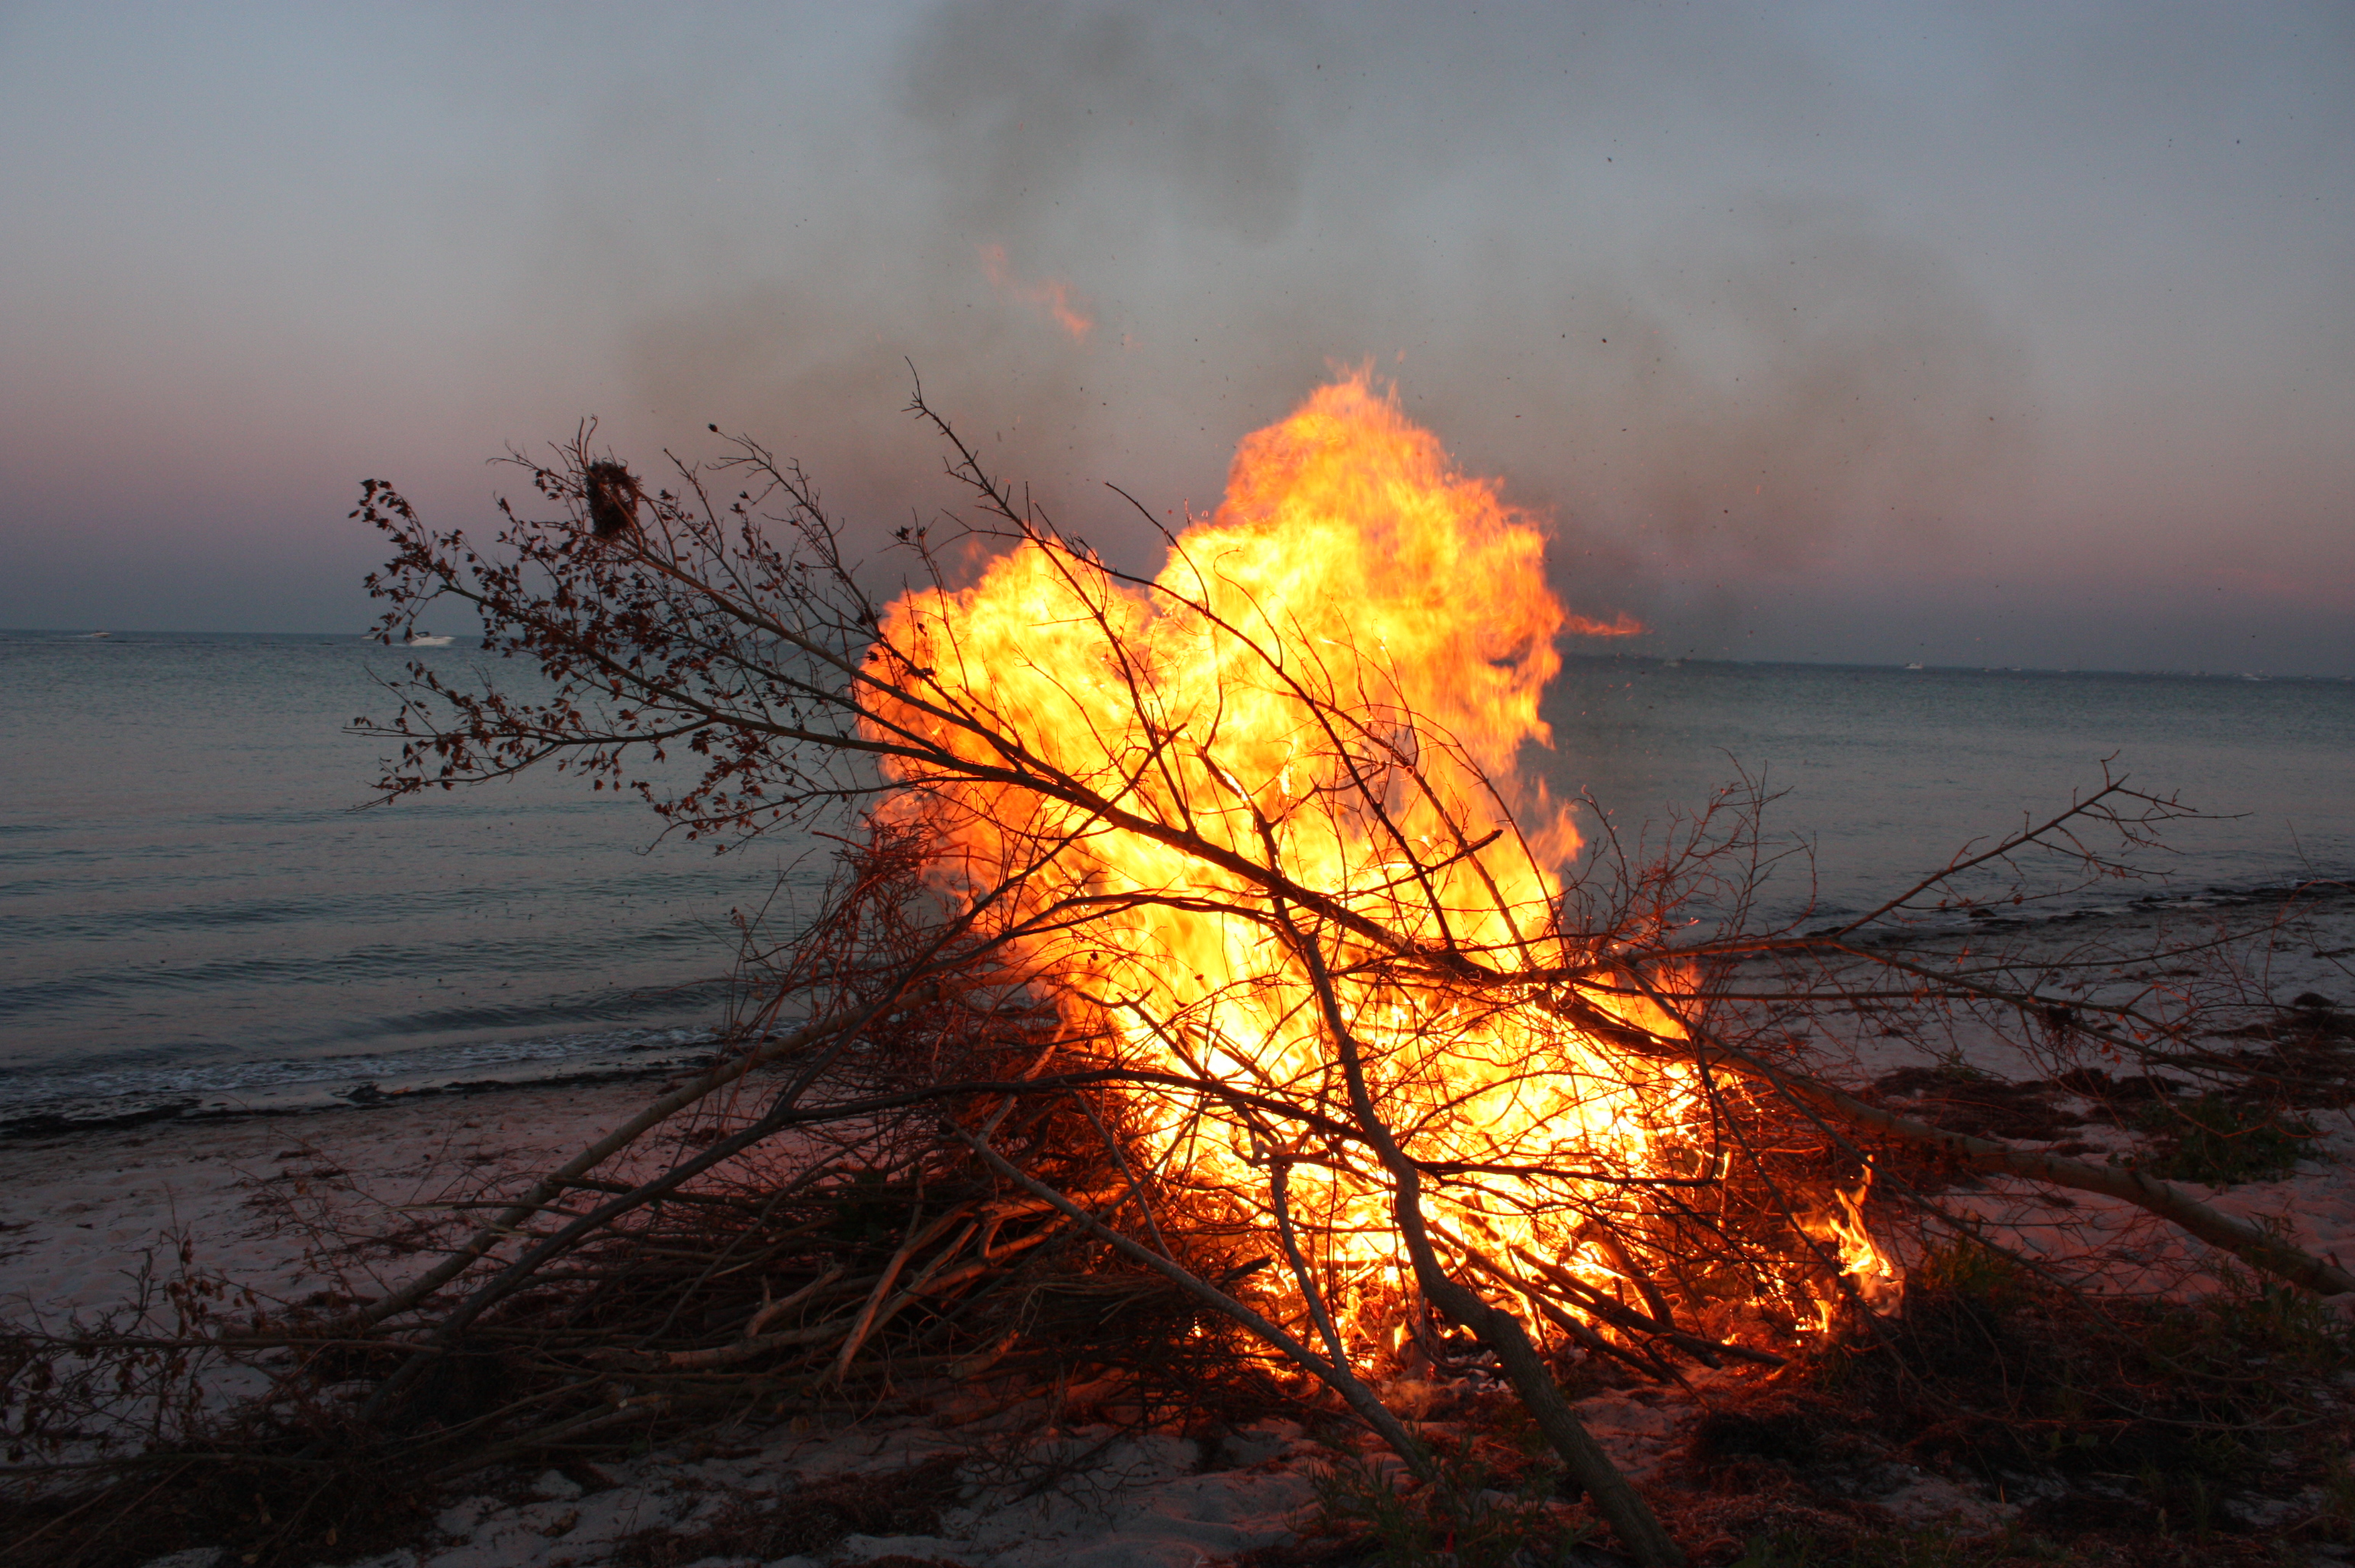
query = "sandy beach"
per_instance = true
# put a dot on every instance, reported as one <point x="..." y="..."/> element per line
<point x="254" y="1197"/>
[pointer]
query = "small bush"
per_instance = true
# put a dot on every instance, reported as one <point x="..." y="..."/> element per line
<point x="1967" y="1268"/>
<point x="1474" y="1524"/>
<point x="2255" y="1322"/>
<point x="2222" y="1140"/>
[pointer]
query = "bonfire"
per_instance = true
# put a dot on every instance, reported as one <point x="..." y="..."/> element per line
<point x="1211" y="995"/>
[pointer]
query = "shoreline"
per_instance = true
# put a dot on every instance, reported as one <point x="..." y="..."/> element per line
<point x="284" y="1203"/>
<point x="367" y="1079"/>
<point x="51" y="1124"/>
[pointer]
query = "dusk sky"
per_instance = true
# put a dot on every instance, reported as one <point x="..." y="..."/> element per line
<point x="1970" y="334"/>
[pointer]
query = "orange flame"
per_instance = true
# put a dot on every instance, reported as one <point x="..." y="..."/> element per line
<point x="1055" y="296"/>
<point x="1879" y="1281"/>
<point x="1331" y="679"/>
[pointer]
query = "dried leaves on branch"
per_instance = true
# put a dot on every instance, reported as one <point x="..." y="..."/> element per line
<point x="1210" y="992"/>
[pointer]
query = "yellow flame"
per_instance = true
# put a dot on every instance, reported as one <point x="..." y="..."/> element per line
<point x="1334" y="682"/>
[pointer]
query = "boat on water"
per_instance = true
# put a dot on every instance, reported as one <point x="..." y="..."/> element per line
<point x="1916" y="666"/>
<point x="426" y="640"/>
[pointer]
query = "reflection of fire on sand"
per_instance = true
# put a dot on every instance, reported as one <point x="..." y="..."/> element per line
<point x="1213" y="1038"/>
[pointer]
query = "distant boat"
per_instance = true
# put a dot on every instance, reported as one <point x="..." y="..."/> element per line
<point x="1913" y="667"/>
<point x="416" y="640"/>
<point x="99" y="634"/>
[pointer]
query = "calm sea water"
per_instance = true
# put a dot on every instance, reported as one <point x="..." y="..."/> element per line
<point x="1885" y="773"/>
<point x="194" y="913"/>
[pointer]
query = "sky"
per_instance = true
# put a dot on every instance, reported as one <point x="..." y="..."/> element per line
<point x="1968" y="334"/>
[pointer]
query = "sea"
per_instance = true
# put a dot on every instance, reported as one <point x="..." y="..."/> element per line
<point x="203" y="910"/>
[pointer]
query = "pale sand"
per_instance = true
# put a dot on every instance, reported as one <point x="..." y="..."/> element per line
<point x="83" y="1212"/>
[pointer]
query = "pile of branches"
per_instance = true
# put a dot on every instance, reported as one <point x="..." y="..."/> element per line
<point x="992" y="1116"/>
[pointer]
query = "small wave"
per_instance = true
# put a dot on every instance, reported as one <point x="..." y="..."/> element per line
<point x="46" y="1101"/>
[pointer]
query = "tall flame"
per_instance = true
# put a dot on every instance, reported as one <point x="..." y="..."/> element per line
<point x="1325" y="689"/>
